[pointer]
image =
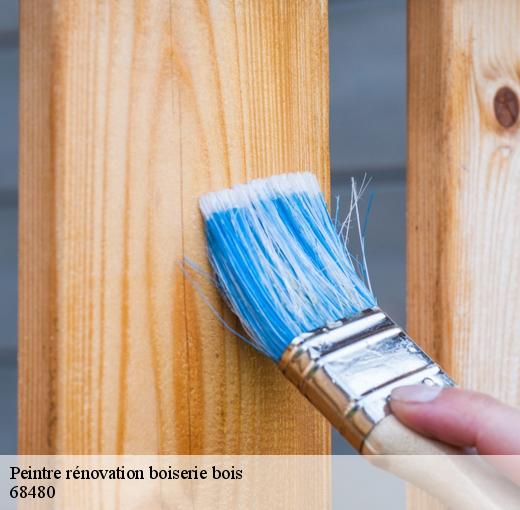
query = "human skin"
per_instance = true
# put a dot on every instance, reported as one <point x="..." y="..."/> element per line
<point x="463" y="418"/>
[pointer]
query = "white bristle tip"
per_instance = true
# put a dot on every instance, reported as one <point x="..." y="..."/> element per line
<point x="243" y="195"/>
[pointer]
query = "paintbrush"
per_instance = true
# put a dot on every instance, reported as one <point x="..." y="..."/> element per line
<point x="307" y="304"/>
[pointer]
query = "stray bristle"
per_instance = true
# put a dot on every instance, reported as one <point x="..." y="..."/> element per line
<point x="279" y="260"/>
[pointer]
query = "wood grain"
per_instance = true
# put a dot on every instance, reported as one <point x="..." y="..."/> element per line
<point x="129" y="111"/>
<point x="463" y="189"/>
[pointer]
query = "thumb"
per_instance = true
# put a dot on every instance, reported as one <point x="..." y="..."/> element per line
<point x="459" y="417"/>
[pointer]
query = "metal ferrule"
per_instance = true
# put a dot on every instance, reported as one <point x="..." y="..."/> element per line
<point x="348" y="369"/>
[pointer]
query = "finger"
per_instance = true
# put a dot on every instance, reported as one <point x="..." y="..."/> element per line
<point x="459" y="417"/>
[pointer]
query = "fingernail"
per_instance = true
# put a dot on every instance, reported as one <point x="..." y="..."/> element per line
<point x="416" y="393"/>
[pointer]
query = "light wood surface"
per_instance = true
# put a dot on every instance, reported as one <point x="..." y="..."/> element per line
<point x="129" y="111"/>
<point x="463" y="192"/>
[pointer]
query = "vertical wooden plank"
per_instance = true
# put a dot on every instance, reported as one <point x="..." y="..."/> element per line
<point x="463" y="189"/>
<point x="129" y="111"/>
<point x="37" y="278"/>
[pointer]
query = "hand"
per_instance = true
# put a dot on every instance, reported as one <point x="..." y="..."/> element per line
<point x="462" y="418"/>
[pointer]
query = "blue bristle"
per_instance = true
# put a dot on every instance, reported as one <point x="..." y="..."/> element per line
<point x="279" y="260"/>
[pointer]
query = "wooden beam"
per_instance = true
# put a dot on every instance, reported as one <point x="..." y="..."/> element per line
<point x="129" y="111"/>
<point x="464" y="189"/>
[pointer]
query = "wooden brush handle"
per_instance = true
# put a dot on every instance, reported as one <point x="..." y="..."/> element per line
<point x="391" y="437"/>
<point x="460" y="481"/>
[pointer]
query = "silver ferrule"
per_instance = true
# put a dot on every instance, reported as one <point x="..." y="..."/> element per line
<point x="348" y="369"/>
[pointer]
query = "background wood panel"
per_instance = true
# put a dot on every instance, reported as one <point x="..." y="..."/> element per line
<point x="130" y="110"/>
<point x="463" y="191"/>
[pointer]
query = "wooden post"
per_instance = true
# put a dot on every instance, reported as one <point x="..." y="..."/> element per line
<point x="464" y="189"/>
<point x="129" y="111"/>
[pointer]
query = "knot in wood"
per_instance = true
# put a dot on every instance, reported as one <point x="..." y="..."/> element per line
<point x="506" y="107"/>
